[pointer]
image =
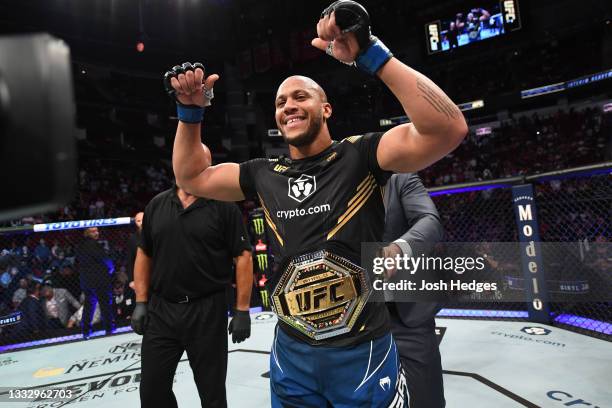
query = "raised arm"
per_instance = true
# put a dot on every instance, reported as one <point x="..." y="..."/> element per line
<point x="437" y="127"/>
<point x="191" y="160"/>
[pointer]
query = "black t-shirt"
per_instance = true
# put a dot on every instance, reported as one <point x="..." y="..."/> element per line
<point x="192" y="248"/>
<point x="329" y="201"/>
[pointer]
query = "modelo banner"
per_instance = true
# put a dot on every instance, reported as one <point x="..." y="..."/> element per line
<point x="531" y="253"/>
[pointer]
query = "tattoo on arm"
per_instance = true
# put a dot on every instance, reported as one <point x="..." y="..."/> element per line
<point x="437" y="101"/>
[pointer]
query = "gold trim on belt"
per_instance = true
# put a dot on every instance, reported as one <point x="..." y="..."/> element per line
<point x="321" y="294"/>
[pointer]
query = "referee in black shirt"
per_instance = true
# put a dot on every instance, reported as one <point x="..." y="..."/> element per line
<point x="182" y="268"/>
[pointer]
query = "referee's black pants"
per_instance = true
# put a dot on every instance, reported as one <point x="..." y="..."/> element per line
<point x="420" y="356"/>
<point x="198" y="327"/>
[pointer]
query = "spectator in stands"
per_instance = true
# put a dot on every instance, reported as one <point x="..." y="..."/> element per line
<point x="137" y="185"/>
<point x="33" y="319"/>
<point x="23" y="252"/>
<point x="5" y="257"/>
<point x="123" y="302"/>
<point x="66" y="278"/>
<point x="92" y="210"/>
<point x="15" y="250"/>
<point x="21" y="293"/>
<point x="7" y="277"/>
<point x="99" y="213"/>
<point x="59" y="262"/>
<point x="76" y="318"/>
<point x="69" y="254"/>
<point x="95" y="280"/>
<point x="57" y="302"/>
<point x="42" y="253"/>
<point x="121" y="275"/>
<point x="55" y="250"/>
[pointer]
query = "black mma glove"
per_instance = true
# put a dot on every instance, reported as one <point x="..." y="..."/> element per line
<point x="240" y="326"/>
<point x="181" y="69"/>
<point x="353" y="17"/>
<point x="139" y="319"/>
<point x="199" y="98"/>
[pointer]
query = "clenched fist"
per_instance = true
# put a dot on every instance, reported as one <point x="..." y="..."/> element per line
<point x="343" y="30"/>
<point x="344" y="33"/>
<point x="188" y="84"/>
<point x="339" y="44"/>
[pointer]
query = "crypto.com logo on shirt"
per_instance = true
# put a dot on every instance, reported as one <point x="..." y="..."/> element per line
<point x="302" y="187"/>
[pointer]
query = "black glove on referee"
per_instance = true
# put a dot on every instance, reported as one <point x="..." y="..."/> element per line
<point x="139" y="318"/>
<point x="240" y="326"/>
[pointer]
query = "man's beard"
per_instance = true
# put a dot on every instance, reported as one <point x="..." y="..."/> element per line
<point x="309" y="135"/>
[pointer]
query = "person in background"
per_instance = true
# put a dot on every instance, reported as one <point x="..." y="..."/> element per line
<point x="95" y="280"/>
<point x="42" y="253"/>
<point x="412" y="224"/>
<point x="183" y="267"/>
<point x="65" y="277"/>
<point x="76" y="318"/>
<point x="57" y="302"/>
<point x="124" y="301"/>
<point x="21" y="293"/>
<point x="33" y="319"/>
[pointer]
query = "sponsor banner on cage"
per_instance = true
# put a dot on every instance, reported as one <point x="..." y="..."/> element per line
<point x="10" y="319"/>
<point x="66" y="225"/>
<point x="485" y="271"/>
<point x="534" y="270"/>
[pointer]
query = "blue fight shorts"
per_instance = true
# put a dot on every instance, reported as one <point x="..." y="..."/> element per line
<point x="365" y="375"/>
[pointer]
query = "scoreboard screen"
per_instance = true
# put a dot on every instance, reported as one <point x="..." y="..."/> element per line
<point x="485" y="19"/>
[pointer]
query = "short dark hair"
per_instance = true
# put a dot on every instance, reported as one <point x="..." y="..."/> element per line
<point x="33" y="286"/>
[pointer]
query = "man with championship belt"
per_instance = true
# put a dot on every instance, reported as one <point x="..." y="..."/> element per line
<point x="331" y="346"/>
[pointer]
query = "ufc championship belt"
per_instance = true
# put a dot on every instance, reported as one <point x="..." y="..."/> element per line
<point x="321" y="294"/>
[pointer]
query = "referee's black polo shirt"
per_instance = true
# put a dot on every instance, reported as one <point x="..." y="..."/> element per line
<point x="192" y="248"/>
